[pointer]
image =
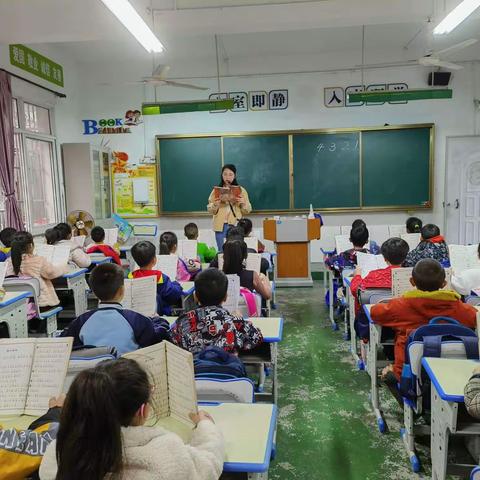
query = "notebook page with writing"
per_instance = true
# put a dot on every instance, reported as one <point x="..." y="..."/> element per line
<point x="153" y="360"/>
<point x="49" y="369"/>
<point x="187" y="249"/>
<point x="141" y="295"/>
<point x="401" y="281"/>
<point x="345" y="230"/>
<point x="16" y="358"/>
<point x="111" y="236"/>
<point x="343" y="243"/>
<point x="79" y="240"/>
<point x="167" y="264"/>
<point x="252" y="242"/>
<point x="254" y="261"/>
<point x="233" y="293"/>
<point x="397" y="230"/>
<point x="182" y="394"/>
<point x="368" y="262"/>
<point x="55" y="254"/>
<point x="463" y="257"/>
<point x="413" y="239"/>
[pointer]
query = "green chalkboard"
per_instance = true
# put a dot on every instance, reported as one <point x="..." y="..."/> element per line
<point x="396" y="167"/>
<point x="326" y="170"/>
<point x="189" y="167"/>
<point x="262" y="166"/>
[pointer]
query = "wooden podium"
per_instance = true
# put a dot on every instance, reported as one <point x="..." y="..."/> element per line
<point x="292" y="238"/>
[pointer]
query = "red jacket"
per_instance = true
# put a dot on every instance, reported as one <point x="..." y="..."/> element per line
<point x="377" y="279"/>
<point x="417" y="308"/>
<point x="107" y="250"/>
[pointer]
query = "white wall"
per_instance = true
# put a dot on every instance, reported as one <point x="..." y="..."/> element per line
<point x="306" y="111"/>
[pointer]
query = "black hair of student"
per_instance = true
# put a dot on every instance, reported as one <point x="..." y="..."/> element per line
<point x="99" y="402"/>
<point x="429" y="231"/>
<point x="234" y="255"/>
<point x="395" y="250"/>
<point x="358" y="223"/>
<point x="211" y="287"/>
<point x="6" y="236"/>
<point x="359" y="236"/>
<point x="233" y="168"/>
<point x="52" y="236"/>
<point x="478" y="250"/>
<point x="414" y="225"/>
<point x="191" y="231"/>
<point x="168" y="240"/>
<point x="105" y="281"/>
<point x="143" y="253"/>
<point x="246" y="224"/>
<point x="429" y="275"/>
<point x="22" y="242"/>
<point x="235" y="233"/>
<point x="97" y="234"/>
<point x="64" y="230"/>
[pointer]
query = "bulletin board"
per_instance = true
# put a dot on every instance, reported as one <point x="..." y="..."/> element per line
<point x="135" y="191"/>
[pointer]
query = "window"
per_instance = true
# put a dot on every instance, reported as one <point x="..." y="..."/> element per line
<point x="37" y="119"/>
<point x="20" y="182"/>
<point x="39" y="158"/>
<point x="16" y="123"/>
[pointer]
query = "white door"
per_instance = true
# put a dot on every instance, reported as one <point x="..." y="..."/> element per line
<point x="462" y="190"/>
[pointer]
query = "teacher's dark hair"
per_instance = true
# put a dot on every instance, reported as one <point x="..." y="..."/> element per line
<point x="233" y="168"/>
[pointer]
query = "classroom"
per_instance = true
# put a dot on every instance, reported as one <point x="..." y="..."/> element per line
<point x="240" y="239"/>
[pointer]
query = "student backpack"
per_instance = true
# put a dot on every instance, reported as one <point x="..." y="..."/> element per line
<point x="215" y="362"/>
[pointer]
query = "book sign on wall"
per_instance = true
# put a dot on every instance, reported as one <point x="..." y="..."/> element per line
<point x="337" y="97"/>
<point x="256" y="101"/>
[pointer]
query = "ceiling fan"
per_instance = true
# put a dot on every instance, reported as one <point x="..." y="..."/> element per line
<point x="159" y="78"/>
<point x="436" y="59"/>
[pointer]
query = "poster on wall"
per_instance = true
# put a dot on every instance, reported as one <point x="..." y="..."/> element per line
<point x="134" y="188"/>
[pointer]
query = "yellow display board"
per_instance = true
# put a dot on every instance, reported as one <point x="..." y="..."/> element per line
<point x="124" y="181"/>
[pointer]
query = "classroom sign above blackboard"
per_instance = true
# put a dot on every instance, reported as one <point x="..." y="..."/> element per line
<point x="371" y="168"/>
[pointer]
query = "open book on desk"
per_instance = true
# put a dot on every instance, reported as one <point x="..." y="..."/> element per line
<point x="368" y="262"/>
<point x="141" y="295"/>
<point x="170" y="369"/>
<point x="463" y="257"/>
<point x="32" y="371"/>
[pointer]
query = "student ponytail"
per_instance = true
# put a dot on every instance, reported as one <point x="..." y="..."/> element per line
<point x="414" y="225"/>
<point x="168" y="241"/>
<point x="22" y="243"/>
<point x="234" y="256"/>
<point x="64" y="231"/>
<point x="99" y="402"/>
<point x="52" y="235"/>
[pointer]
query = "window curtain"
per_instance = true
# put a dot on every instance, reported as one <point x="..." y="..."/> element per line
<point x="7" y="176"/>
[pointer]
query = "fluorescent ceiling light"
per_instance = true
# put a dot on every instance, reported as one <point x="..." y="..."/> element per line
<point x="134" y="23"/>
<point x="456" y="16"/>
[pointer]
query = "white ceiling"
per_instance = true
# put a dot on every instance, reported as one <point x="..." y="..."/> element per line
<point x="262" y="31"/>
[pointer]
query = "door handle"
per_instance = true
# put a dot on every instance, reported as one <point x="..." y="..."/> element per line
<point x="457" y="204"/>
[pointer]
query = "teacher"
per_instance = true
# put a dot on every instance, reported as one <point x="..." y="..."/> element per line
<point x="228" y="209"/>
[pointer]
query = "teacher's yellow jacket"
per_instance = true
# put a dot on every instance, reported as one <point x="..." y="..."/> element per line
<point x="224" y="214"/>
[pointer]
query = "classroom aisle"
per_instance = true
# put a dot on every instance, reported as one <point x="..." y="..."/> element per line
<point x="326" y="430"/>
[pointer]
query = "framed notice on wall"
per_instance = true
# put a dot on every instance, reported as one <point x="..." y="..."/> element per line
<point x="135" y="191"/>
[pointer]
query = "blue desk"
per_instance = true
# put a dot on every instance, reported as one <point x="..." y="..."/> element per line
<point x="13" y="311"/>
<point x="449" y="377"/>
<point x="99" y="259"/>
<point x="77" y="284"/>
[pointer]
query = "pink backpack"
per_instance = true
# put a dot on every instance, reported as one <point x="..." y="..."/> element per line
<point x="250" y="301"/>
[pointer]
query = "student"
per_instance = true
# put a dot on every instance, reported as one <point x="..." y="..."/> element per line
<point x="372" y="245"/>
<point x="210" y="324"/>
<point x="237" y="233"/>
<point x="247" y="226"/>
<point x="21" y="450"/>
<point x="186" y="269"/>
<point x="348" y="259"/>
<point x="98" y="236"/>
<point x="6" y="236"/>
<point x="61" y="234"/>
<point x="432" y="245"/>
<point x="23" y="262"/>
<point x="418" y="307"/>
<point x="110" y="324"/>
<point x="394" y="251"/>
<point x="413" y="225"/>
<point x="206" y="253"/>
<point x="234" y="260"/>
<point x="472" y="394"/>
<point x="466" y="281"/>
<point x="169" y="292"/>
<point x="103" y="435"/>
